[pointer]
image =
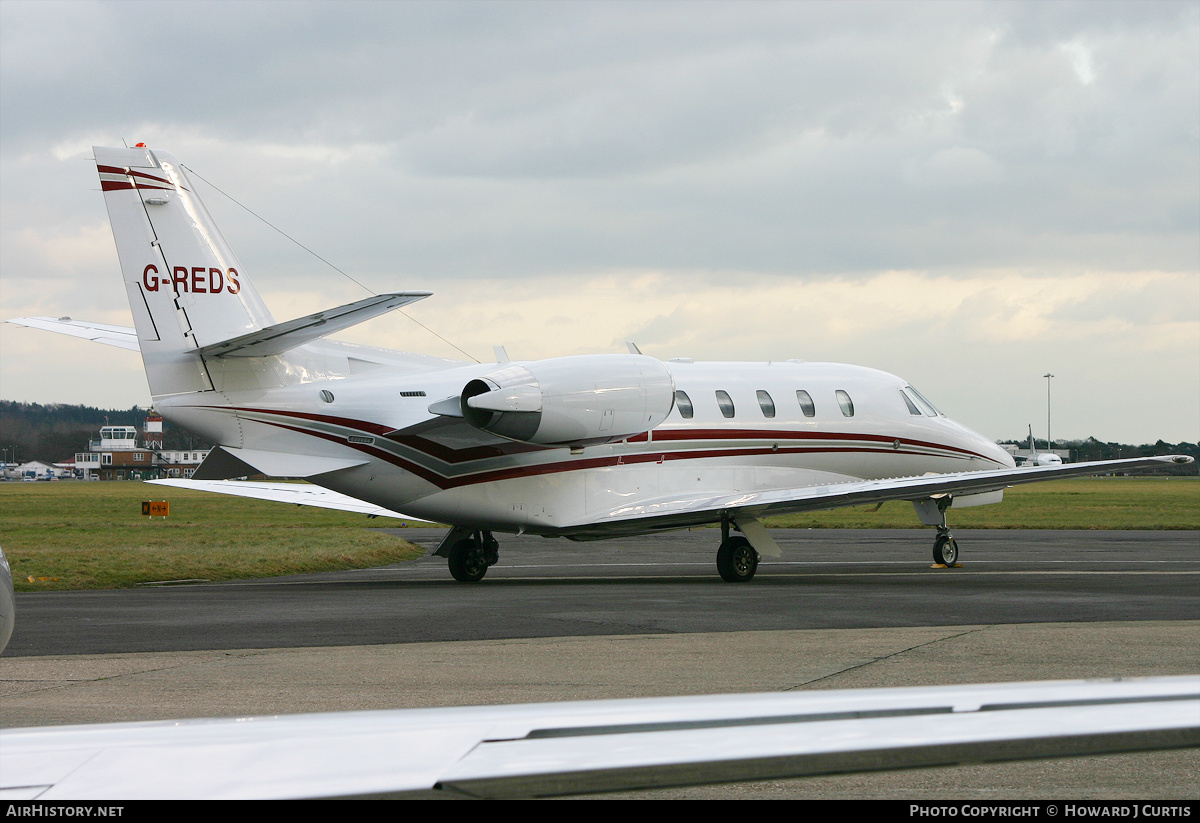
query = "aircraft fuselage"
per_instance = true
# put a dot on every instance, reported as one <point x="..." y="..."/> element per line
<point x="747" y="429"/>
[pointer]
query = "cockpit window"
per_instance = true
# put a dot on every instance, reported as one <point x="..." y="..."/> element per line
<point x="928" y="408"/>
<point x="806" y="403"/>
<point x="912" y="407"/>
<point x="845" y="402"/>
<point x="684" y="404"/>
<point x="765" y="403"/>
<point x="725" y="402"/>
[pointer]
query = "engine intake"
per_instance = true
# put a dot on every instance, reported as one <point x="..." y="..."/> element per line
<point x="571" y="401"/>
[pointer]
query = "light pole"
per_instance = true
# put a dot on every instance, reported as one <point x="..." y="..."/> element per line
<point x="1049" y="442"/>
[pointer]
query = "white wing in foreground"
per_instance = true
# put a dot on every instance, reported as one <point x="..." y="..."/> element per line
<point x="121" y="336"/>
<point x="566" y="748"/>
<point x="302" y="494"/>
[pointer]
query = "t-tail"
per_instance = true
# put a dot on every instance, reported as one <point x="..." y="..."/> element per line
<point x="194" y="307"/>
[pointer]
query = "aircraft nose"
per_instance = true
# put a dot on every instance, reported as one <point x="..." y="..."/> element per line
<point x="986" y="448"/>
<point x="995" y="452"/>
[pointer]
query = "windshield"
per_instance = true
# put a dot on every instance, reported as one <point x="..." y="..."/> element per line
<point x="923" y="404"/>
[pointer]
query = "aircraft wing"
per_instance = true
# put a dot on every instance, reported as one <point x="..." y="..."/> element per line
<point x="302" y="494"/>
<point x="123" y="337"/>
<point x="593" y="746"/>
<point x="702" y="507"/>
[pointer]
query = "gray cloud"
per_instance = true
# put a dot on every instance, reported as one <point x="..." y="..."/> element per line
<point x="486" y="143"/>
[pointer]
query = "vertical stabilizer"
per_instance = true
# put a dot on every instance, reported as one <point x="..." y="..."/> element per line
<point x="186" y="288"/>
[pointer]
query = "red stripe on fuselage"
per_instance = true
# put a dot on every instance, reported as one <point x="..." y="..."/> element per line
<point x="458" y="456"/>
<point x="452" y="455"/>
<point x="660" y="435"/>
<point x="432" y="448"/>
<point x="447" y="482"/>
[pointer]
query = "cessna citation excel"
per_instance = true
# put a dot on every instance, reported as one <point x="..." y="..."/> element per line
<point x="583" y="447"/>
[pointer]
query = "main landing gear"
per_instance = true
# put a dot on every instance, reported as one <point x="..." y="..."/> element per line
<point x="737" y="561"/>
<point x="945" y="549"/>
<point x="469" y="554"/>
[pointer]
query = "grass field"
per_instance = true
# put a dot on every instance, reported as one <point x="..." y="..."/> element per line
<point x="75" y="535"/>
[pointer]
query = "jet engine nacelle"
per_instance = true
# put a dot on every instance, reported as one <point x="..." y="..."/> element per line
<point x="571" y="401"/>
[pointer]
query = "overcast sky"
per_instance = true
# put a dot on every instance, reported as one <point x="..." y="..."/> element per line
<point x="969" y="195"/>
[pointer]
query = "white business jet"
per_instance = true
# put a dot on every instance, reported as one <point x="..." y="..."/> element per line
<point x="1038" y="459"/>
<point x="583" y="447"/>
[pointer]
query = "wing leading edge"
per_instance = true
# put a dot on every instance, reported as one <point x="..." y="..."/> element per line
<point x="569" y="748"/>
<point x="123" y="337"/>
<point x="301" y="494"/>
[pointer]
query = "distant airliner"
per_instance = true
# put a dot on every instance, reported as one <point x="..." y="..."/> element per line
<point x="582" y="447"/>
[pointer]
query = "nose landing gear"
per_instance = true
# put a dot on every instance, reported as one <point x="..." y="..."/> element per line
<point x="932" y="512"/>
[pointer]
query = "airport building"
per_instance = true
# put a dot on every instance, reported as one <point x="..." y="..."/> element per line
<point x="118" y="455"/>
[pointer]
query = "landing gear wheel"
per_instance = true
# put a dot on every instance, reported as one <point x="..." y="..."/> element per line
<point x="945" y="551"/>
<point x="468" y="561"/>
<point x="491" y="549"/>
<point x="737" y="560"/>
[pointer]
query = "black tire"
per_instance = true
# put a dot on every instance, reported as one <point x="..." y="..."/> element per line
<point x="945" y="551"/>
<point x="468" y="561"/>
<point x="737" y="561"/>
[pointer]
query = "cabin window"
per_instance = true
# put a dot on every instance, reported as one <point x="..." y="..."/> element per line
<point x="765" y="403"/>
<point x="725" y="402"/>
<point x="846" y="404"/>
<point x="684" y="404"/>
<point x="806" y="403"/>
<point x="924" y="404"/>
<point x="912" y="407"/>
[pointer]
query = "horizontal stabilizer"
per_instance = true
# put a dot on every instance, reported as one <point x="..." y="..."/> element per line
<point x="284" y="336"/>
<point x="301" y="494"/>
<point x="122" y="337"/>
<point x="225" y="462"/>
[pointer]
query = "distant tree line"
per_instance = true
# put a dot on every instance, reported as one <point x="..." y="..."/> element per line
<point x="1093" y="449"/>
<point x="54" y="432"/>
